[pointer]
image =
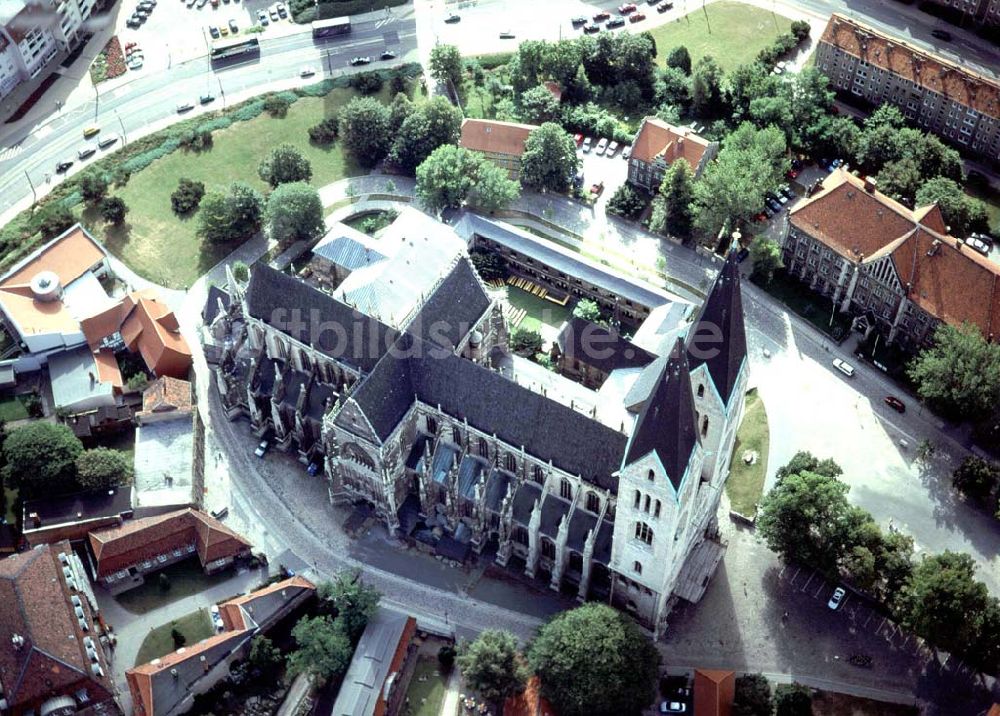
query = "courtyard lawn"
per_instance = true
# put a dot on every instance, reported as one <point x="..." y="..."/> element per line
<point x="186" y="578"/>
<point x="160" y="642"/>
<point x="538" y="310"/>
<point x="163" y="247"/>
<point x="746" y="482"/>
<point x="730" y="32"/>
<point x="426" y="691"/>
<point x="10" y="499"/>
<point x="123" y="440"/>
<point x="990" y="197"/>
<point x="12" y="408"/>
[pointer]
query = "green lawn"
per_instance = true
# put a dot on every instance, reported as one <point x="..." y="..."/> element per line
<point x="12" y="408"/>
<point x="813" y="307"/>
<point x="746" y="482"/>
<point x="730" y="32"/>
<point x="424" y="697"/>
<point x="10" y="498"/>
<point x="186" y="578"/>
<point x="539" y="310"/>
<point x="991" y="198"/>
<point x="163" y="247"/>
<point x="159" y="642"/>
<point x="123" y="440"/>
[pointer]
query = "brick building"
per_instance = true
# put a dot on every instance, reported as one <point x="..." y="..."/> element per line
<point x="500" y="142"/>
<point x="658" y="145"/>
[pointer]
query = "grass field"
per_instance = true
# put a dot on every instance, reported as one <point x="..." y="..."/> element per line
<point x="424" y="697"/>
<point x="159" y="642"/>
<point x="163" y="247"/>
<point x="746" y="482"/>
<point x="991" y="198"/>
<point x="12" y="408"/>
<point x="186" y="578"/>
<point x="730" y="32"/>
<point x="539" y="310"/>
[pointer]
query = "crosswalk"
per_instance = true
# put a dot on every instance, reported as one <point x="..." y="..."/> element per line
<point x="8" y="153"/>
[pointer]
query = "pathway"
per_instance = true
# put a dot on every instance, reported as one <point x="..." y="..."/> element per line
<point x="449" y="705"/>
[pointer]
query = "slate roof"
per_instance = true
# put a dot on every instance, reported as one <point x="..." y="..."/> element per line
<point x="262" y="607"/>
<point x="444" y="460"/>
<point x="554" y="508"/>
<point x="602" y="543"/>
<point x="524" y="502"/>
<point x="718" y="338"/>
<point x="600" y="346"/>
<point x="294" y="307"/>
<point x="496" y="489"/>
<point x="580" y="525"/>
<point x="666" y="425"/>
<point x="211" y="309"/>
<point x="470" y="474"/>
<point x="79" y="507"/>
<point x="457" y="304"/>
<point x="380" y="651"/>
<point x="347" y="247"/>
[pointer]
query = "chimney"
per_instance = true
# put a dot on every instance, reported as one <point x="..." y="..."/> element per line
<point x="173" y="672"/>
<point x="36" y="521"/>
<point x="92" y="379"/>
<point x="204" y="663"/>
<point x="870" y="184"/>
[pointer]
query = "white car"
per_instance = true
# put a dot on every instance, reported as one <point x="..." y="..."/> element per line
<point x="844" y="367"/>
<point x="612" y="148"/>
<point x="262" y="448"/>
<point x="673" y="707"/>
<point x="977" y="243"/>
<point x="585" y="147"/>
<point x="836" y="598"/>
<point x="217" y="622"/>
<point x="601" y="146"/>
<point x="307" y="72"/>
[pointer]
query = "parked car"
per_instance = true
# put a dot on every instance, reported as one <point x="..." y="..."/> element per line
<point x="224" y="31"/>
<point x="86" y="152"/>
<point x="578" y="138"/>
<point x="360" y="60"/>
<point x="602" y="15"/>
<point x="786" y="191"/>
<point x="592" y="28"/>
<point x="453" y="18"/>
<point x="895" y="403"/>
<point x="262" y="18"/>
<point x="612" y="148"/>
<point x="184" y="107"/>
<point x="673" y="707"/>
<point x="207" y="98"/>
<point x="133" y="23"/>
<point x="664" y="6"/>
<point x="90" y="132"/>
<point x="387" y="55"/>
<point x="637" y="17"/>
<point x="978" y="243"/>
<point x="262" y="447"/>
<point x="602" y="145"/>
<point x="627" y="152"/>
<point x="233" y="27"/>
<point x="214" y="32"/>
<point x="107" y="141"/>
<point x="778" y="197"/>
<point x="273" y="12"/>
<point x="615" y="22"/>
<point x="844" y="367"/>
<point x="586" y="145"/>
<point x="282" y="10"/>
<point x="307" y="72"/>
<point x="579" y="21"/>
<point x="742" y="254"/>
<point x="942" y="35"/>
<point x="772" y="205"/>
<point x="63" y="167"/>
<point x="626" y="8"/>
<point x="506" y="35"/>
<point x="836" y="598"/>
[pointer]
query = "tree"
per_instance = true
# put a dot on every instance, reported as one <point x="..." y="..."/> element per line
<point x="805" y="461"/>
<point x="178" y="638"/>
<point x="367" y="82"/>
<point x="102" y="467"/>
<point x="430" y="126"/>
<point x="399" y="110"/>
<point x="765" y="254"/>
<point x="54" y="219"/>
<point x="626" y="201"/>
<point x="326" y="131"/>
<point x="680" y="58"/>
<point x="277" y="105"/>
<point x="490" y="265"/>
<point x="538" y="105"/>
<point x="753" y="696"/>
<point x="231" y="216"/>
<point x="984" y="651"/>
<point x="187" y="196"/>
<point x="960" y="373"/>
<point x="549" y="160"/>
<point x="93" y="185"/>
<point x="284" y="164"/>
<point x="365" y="130"/>
<point x="525" y="342"/>
<point x="673" y="87"/>
<point x="452" y="175"/>
<point x="113" y="210"/>
<point x="706" y="88"/>
<point x="493" y="189"/>
<point x="294" y="213"/>
<point x="792" y="700"/>
<point x="943" y="602"/>
<point x="962" y="213"/>
<point x="446" y="657"/>
<point x="323" y="649"/>
<point x="241" y="272"/>
<point x="354" y="601"/>
<point x="446" y="65"/>
<point x="595" y="660"/>
<point x="264" y="658"/>
<point x="977" y="478"/>
<point x="588" y="310"/>
<point x="900" y="179"/>
<point x="493" y="666"/>
<point x="672" y="209"/>
<point x="40" y="459"/>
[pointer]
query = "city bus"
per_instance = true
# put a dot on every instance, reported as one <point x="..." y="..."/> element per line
<point x="246" y="48"/>
<point x="333" y="26"/>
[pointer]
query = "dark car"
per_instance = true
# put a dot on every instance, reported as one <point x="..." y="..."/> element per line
<point x="387" y="55"/>
<point x="579" y="21"/>
<point x="63" y="167"/>
<point x="787" y="191"/>
<point x="214" y="32"/>
<point x="615" y="22"/>
<point x="773" y="205"/>
<point x="592" y="28"/>
<point x="895" y="403"/>
<point x="602" y="15"/>
<point x="664" y="6"/>
<point x="742" y="254"/>
<point x="206" y="98"/>
<point x="453" y="18"/>
<point x="942" y="35"/>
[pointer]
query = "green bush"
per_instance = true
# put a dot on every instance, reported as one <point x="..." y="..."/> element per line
<point x="326" y="131"/>
<point x="251" y="110"/>
<point x="367" y="82"/>
<point x="493" y="60"/>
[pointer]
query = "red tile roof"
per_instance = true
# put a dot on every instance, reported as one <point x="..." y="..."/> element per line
<point x="36" y="606"/>
<point x="232" y="611"/>
<point x="167" y="394"/>
<point x="657" y="138"/>
<point x="713" y="692"/>
<point x="107" y="367"/>
<point x="138" y="540"/>
<point x="933" y="72"/>
<point x="493" y="137"/>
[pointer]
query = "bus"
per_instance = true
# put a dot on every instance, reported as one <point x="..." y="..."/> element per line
<point x="245" y="48"/>
<point x="333" y="26"/>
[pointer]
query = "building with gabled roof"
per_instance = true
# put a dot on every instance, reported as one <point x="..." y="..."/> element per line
<point x="123" y="555"/>
<point x="51" y="656"/>
<point x="500" y="142"/>
<point x="455" y="442"/>
<point x="714" y="692"/>
<point x="895" y="268"/>
<point x="659" y="144"/>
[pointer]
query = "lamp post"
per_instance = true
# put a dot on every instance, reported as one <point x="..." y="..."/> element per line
<point x="122" y="125"/>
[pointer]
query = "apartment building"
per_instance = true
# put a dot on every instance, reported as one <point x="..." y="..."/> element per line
<point x="982" y="12"/>
<point x="956" y="103"/>
<point x="658" y="145"/>
<point x="501" y="142"/>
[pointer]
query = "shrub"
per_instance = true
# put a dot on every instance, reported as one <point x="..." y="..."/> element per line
<point x="397" y="84"/>
<point x="187" y="196"/>
<point x="33" y="404"/>
<point x="93" y="185"/>
<point x="446" y="657"/>
<point x="525" y="342"/>
<point x="626" y="202"/>
<point x="800" y="29"/>
<point x="326" y="131"/>
<point x="367" y="82"/>
<point x="196" y="139"/>
<point x="54" y="220"/>
<point x="276" y="105"/>
<point x="251" y="110"/>
<point x="113" y="210"/>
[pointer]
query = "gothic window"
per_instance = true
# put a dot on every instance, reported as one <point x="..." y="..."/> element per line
<point x="565" y="490"/>
<point x="645" y="506"/>
<point x="638" y="498"/>
<point x="456" y="435"/>
<point x="701" y="390"/>
<point x="593" y="502"/>
<point x="704" y="426"/>
<point x="656" y="512"/>
<point x="358" y="455"/>
<point x="520" y="535"/>
<point x="548" y="548"/>
<point x="511" y="463"/>
<point x="484" y="448"/>
<point x="637" y="567"/>
<point x="432" y="425"/>
<point x="650" y="476"/>
<point x="538" y="475"/>
<point x="643" y="532"/>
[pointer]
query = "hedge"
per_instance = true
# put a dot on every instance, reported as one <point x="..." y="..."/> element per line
<point x="493" y="60"/>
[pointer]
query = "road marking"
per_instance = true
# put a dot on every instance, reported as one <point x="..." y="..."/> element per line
<point x="808" y="580"/>
<point x="11" y="152"/>
<point x="818" y="590"/>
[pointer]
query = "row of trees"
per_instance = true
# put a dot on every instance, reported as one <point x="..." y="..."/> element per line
<point x="753" y="697"/>
<point x="807" y="519"/>
<point x="979" y="480"/>
<point x="42" y="458"/>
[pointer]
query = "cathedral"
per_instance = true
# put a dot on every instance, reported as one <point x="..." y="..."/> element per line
<point x="386" y="366"/>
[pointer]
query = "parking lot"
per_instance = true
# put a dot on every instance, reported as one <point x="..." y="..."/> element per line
<point x="608" y="167"/>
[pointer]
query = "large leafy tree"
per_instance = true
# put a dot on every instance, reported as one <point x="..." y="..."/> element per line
<point x="353" y="601"/>
<point x="40" y="459"/>
<point x="962" y="213"/>
<point x="294" y="213"/>
<point x="680" y="58"/>
<point x="426" y="128"/>
<point x="960" y="373"/>
<point x="364" y="130"/>
<point x="792" y="700"/>
<point x="673" y="88"/>
<point x="803" y="461"/>
<point x="102" y="467"/>
<point x="673" y="212"/>
<point x="493" y="666"/>
<point x="323" y="649"/>
<point x="446" y="65"/>
<point x="900" y="179"/>
<point x="538" y="105"/>
<point x="562" y="61"/>
<point x="230" y="216"/>
<point x="944" y="603"/>
<point x="526" y="66"/>
<point x="113" y="210"/>
<point x="284" y="164"/>
<point x="765" y="254"/>
<point x="493" y="189"/>
<point x="753" y="696"/>
<point x="976" y="477"/>
<point x="452" y="175"/>
<point x="706" y="88"/>
<point x="549" y="160"/>
<point x="93" y="185"/>
<point x="595" y="660"/>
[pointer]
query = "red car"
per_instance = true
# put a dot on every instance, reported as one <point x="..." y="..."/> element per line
<point x="597" y="189"/>
<point x="791" y="173"/>
<point x="578" y="138"/>
<point x="638" y="17"/>
<point x="626" y="8"/>
<point x="895" y="403"/>
<point x="602" y="15"/>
